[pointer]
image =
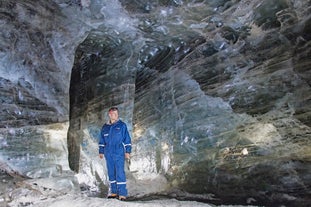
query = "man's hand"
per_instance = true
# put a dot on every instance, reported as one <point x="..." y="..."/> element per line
<point x="127" y="155"/>
<point x="101" y="156"/>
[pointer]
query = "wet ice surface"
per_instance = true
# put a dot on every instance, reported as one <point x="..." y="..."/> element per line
<point x="65" y="191"/>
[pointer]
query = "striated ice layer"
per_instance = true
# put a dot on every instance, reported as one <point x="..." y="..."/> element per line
<point x="216" y="95"/>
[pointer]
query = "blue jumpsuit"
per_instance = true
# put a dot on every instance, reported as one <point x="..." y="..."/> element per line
<point x="114" y="142"/>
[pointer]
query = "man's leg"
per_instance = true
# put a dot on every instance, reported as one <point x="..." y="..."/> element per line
<point x="121" y="178"/>
<point x="112" y="176"/>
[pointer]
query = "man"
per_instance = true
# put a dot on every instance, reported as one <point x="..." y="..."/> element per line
<point x="115" y="145"/>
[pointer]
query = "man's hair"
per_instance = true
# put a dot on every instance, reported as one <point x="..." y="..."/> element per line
<point x="113" y="109"/>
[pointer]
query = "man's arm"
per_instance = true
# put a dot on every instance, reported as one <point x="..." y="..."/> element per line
<point x="127" y="142"/>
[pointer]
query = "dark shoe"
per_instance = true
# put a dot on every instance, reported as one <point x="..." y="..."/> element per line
<point x="122" y="198"/>
<point x="113" y="195"/>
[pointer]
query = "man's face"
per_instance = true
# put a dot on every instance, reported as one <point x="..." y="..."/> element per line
<point x="113" y="115"/>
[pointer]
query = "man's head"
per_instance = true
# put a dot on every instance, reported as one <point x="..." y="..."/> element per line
<point x="113" y="113"/>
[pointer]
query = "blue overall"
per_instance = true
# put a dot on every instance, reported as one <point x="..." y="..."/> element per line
<point x="114" y="142"/>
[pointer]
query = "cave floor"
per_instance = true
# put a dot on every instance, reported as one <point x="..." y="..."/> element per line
<point x="62" y="191"/>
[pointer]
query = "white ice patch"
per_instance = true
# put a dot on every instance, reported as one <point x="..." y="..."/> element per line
<point x="263" y="134"/>
<point x="144" y="167"/>
<point x="199" y="26"/>
<point x="10" y="70"/>
<point x="116" y="17"/>
<point x="165" y="157"/>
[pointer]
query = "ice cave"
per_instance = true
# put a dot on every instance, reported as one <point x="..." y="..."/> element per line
<point x="215" y="93"/>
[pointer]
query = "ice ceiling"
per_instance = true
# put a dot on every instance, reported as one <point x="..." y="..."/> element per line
<point x="216" y="95"/>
